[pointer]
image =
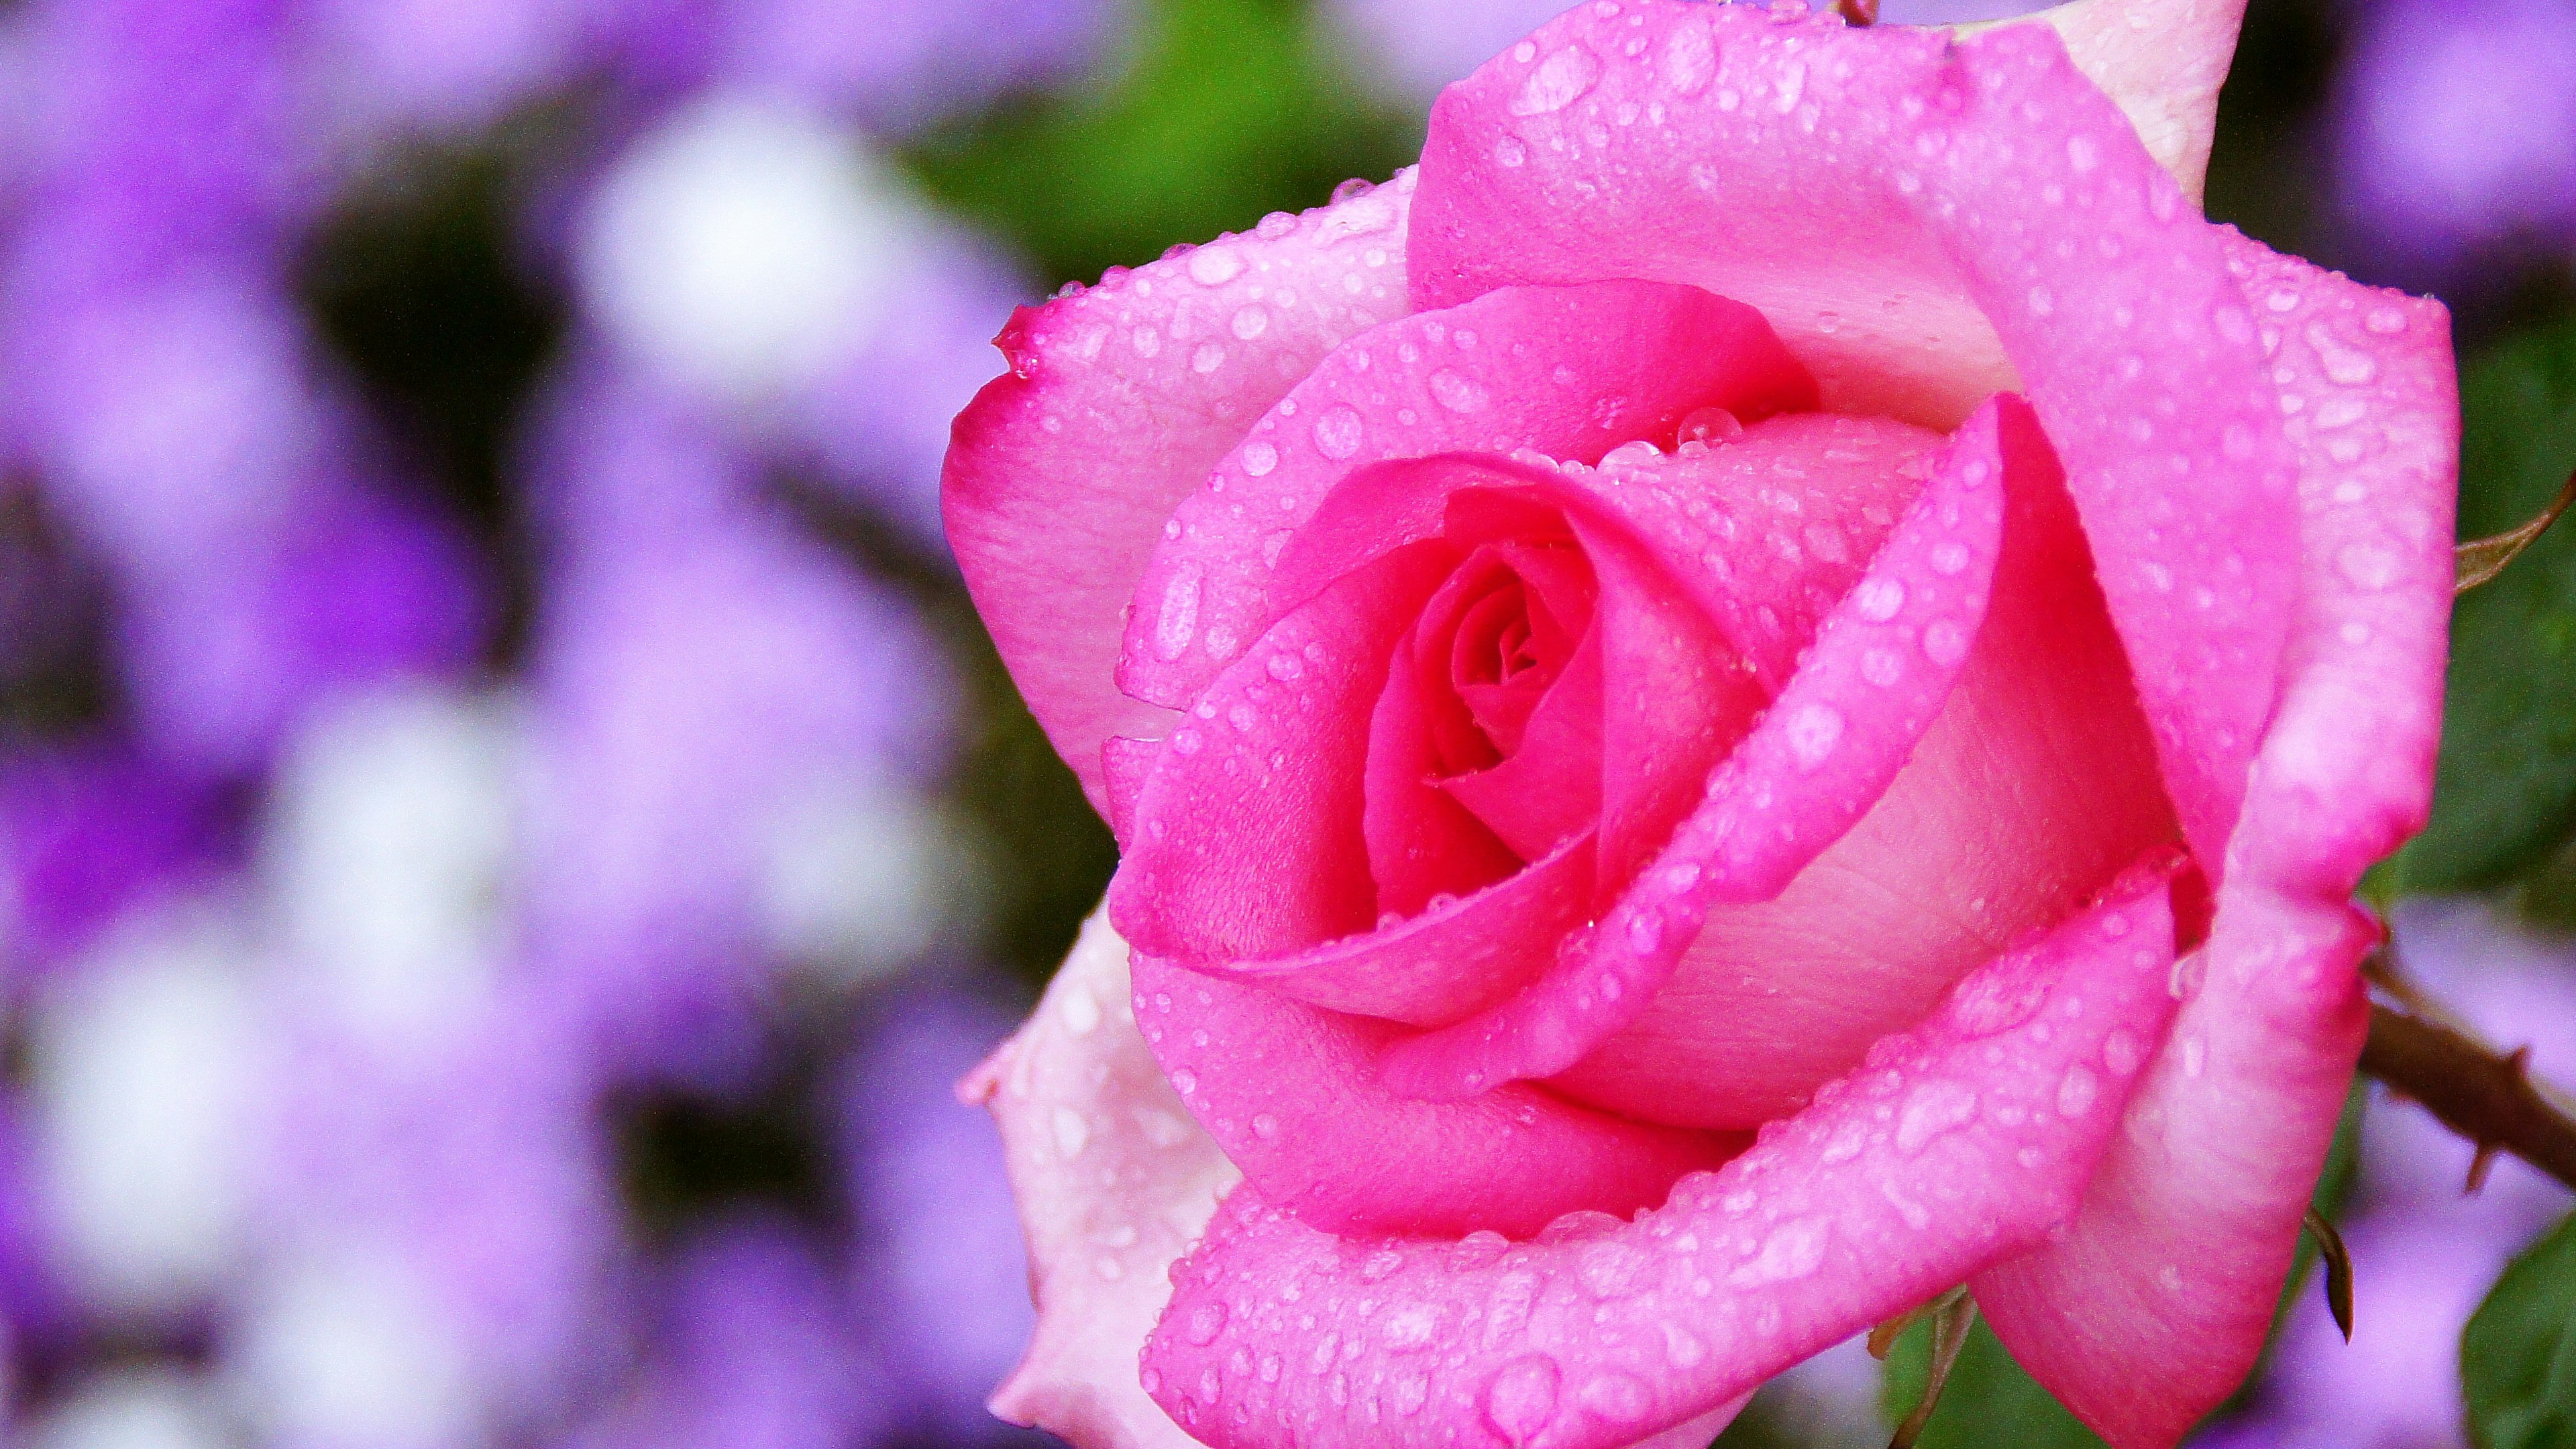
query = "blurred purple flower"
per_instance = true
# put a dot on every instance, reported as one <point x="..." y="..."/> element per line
<point x="438" y="1219"/>
<point x="753" y="1346"/>
<point x="907" y="62"/>
<point x="87" y="832"/>
<point x="437" y="68"/>
<point x="877" y="422"/>
<point x="940" y="1268"/>
<point x="706" y="680"/>
<point x="2451" y="133"/>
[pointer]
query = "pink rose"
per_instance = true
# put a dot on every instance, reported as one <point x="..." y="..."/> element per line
<point x="1756" y="694"/>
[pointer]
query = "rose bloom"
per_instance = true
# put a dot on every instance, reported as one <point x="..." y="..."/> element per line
<point x="1753" y="694"/>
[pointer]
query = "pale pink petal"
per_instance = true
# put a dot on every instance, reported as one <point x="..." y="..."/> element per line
<point x="1950" y="865"/>
<point x="1820" y="757"/>
<point x="2163" y="61"/>
<point x="1870" y="192"/>
<point x="2188" y="1231"/>
<point x="1961" y="1144"/>
<point x="1570" y="372"/>
<point x="1291" y="1093"/>
<point x="1117" y="403"/>
<point x="1113" y="1181"/>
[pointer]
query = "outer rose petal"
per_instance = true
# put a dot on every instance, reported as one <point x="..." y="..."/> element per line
<point x="1113" y="1180"/>
<point x="1962" y="1143"/>
<point x="1571" y="372"/>
<point x="2188" y="1231"/>
<point x="1875" y="205"/>
<point x="1118" y="401"/>
<point x="1881" y="667"/>
<point x="2162" y="61"/>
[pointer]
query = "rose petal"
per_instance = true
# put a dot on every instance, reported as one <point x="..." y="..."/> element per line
<point x="1246" y="840"/>
<point x="1421" y="842"/>
<point x="1963" y="1143"/>
<point x="1897" y="171"/>
<point x="1818" y="760"/>
<point x="1550" y="790"/>
<point x="1570" y="372"/>
<point x="2163" y="62"/>
<point x="1450" y="959"/>
<point x="1291" y="1093"/>
<point x="2186" y="1235"/>
<point x="1113" y="1181"/>
<point x="1949" y="866"/>
<point x="1118" y="401"/>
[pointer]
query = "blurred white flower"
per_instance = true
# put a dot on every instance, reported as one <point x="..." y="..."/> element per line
<point x="387" y="856"/>
<point x="348" y="1346"/>
<point x="133" y="1409"/>
<point x="744" y="246"/>
<point x="147" y="1065"/>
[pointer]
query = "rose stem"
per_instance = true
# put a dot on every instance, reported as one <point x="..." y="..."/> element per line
<point x="2482" y="1094"/>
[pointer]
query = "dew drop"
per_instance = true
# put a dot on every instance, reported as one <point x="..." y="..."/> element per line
<point x="2076" y="1091"/>
<point x="1457" y="393"/>
<point x="1565" y="77"/>
<point x="1208" y="358"/>
<point x="1178" y="623"/>
<point x="1945" y="643"/>
<point x="1949" y="557"/>
<point x="1882" y="667"/>
<point x="1204" y="1323"/>
<point x="1251" y="322"/>
<point x="1879" y="599"/>
<point x="1520" y="1402"/>
<point x="1794" y="1251"/>
<point x="2121" y="1052"/>
<point x="2367" y="565"/>
<point x="1813" y="733"/>
<point x="1339" y="431"/>
<point x="1619" y="1397"/>
<point x="1215" y="266"/>
<point x="1259" y="457"/>
<point x="1935" y="1108"/>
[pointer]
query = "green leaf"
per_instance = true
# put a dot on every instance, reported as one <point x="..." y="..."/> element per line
<point x="1988" y="1400"/>
<point x="2506" y="791"/>
<point x="2518" y="1354"/>
<point x="1223" y="111"/>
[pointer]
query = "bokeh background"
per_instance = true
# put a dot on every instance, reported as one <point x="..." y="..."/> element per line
<point x="509" y="827"/>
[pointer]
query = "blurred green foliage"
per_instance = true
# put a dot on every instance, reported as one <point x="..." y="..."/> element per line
<point x="2518" y="1355"/>
<point x="2506" y="791"/>
<point x="1221" y="112"/>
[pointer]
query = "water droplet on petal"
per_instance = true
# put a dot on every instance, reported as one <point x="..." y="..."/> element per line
<point x="1565" y="77"/>
<point x="1520" y="1402"/>
<point x="1178" y="623"/>
<point x="2076" y="1091"/>
<point x="1455" y="392"/>
<point x="1935" y="1108"/>
<point x="1813" y="733"/>
<point x="1259" y="457"/>
<point x="1215" y="266"/>
<point x="1339" y="431"/>
<point x="1204" y="1323"/>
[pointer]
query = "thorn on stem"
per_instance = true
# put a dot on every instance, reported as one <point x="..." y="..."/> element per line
<point x="1953" y="1314"/>
<point x="2480" y="560"/>
<point x="2338" y="1261"/>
